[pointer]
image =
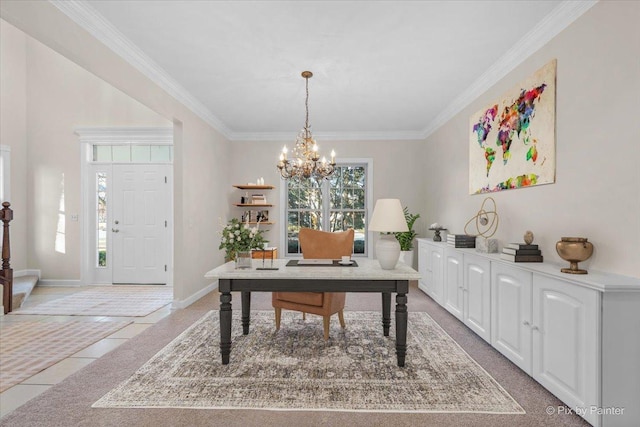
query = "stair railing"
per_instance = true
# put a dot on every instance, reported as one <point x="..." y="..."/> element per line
<point x="6" y="274"/>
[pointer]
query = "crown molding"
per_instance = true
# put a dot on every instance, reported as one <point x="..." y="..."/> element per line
<point x="86" y="17"/>
<point x="329" y="136"/>
<point x="559" y="19"/>
<point x="562" y="16"/>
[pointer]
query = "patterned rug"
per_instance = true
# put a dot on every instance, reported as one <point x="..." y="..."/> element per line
<point x="29" y="347"/>
<point x="128" y="300"/>
<point x="295" y="369"/>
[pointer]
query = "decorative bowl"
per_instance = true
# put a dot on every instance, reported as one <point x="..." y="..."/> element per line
<point x="574" y="250"/>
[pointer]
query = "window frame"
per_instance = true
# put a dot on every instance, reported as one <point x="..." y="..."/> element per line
<point x="326" y="210"/>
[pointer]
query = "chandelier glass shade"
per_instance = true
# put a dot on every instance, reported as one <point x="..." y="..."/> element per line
<point x="305" y="161"/>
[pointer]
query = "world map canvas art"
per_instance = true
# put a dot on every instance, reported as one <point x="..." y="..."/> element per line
<point x="512" y="141"/>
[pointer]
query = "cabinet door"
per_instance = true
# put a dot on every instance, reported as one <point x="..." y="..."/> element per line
<point x="436" y="285"/>
<point x="565" y="328"/>
<point x="453" y="282"/>
<point x="511" y="313"/>
<point x="477" y="295"/>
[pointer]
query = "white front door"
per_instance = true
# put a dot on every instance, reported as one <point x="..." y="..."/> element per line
<point x="139" y="216"/>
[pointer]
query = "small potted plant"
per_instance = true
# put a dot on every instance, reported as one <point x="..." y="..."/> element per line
<point x="237" y="239"/>
<point x="406" y="237"/>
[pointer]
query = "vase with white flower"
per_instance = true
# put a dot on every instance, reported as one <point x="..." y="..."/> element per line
<point x="237" y="239"/>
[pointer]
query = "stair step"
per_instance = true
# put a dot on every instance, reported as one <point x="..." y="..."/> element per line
<point x="22" y="287"/>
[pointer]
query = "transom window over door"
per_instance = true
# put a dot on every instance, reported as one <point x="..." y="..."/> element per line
<point x="336" y="204"/>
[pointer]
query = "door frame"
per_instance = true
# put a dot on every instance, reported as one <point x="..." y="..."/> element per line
<point x="89" y="137"/>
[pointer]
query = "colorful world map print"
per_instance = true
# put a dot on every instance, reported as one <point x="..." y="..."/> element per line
<point x="512" y="141"/>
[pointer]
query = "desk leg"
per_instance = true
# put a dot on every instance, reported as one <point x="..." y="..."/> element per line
<point x="401" y="328"/>
<point x="246" y="312"/>
<point x="225" y="326"/>
<point x="386" y="312"/>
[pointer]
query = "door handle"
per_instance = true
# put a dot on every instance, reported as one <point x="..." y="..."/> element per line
<point x="115" y="230"/>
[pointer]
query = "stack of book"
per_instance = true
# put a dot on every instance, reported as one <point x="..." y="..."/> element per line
<point x="461" y="241"/>
<point x="258" y="199"/>
<point x="521" y="252"/>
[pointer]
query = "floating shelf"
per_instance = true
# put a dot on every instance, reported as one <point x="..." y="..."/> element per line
<point x="254" y="187"/>
<point x="249" y="205"/>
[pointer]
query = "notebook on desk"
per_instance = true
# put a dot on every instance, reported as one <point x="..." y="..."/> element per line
<point x="313" y="261"/>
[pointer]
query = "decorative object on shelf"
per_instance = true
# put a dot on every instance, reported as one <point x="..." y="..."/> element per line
<point x="489" y="246"/>
<point x="388" y="217"/>
<point x="437" y="228"/>
<point x="486" y="225"/>
<point x="574" y="250"/>
<point x="528" y="237"/>
<point x="522" y="252"/>
<point x="306" y="161"/>
<point x="461" y="240"/>
<point x="486" y="221"/>
<point x="240" y="237"/>
<point x="512" y="140"/>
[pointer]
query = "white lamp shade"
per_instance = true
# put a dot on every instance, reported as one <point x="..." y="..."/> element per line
<point x="388" y="217"/>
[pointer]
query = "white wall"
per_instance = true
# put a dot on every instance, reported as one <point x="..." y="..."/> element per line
<point x="200" y="167"/>
<point x="395" y="166"/>
<point x="596" y="194"/>
<point x="62" y="96"/>
<point x="13" y="125"/>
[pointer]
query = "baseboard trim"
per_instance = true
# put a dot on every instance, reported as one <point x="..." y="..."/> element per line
<point x="179" y="304"/>
<point x="57" y="282"/>
<point x="27" y="272"/>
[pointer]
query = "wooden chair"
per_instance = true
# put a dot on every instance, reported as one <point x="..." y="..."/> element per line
<point x="318" y="245"/>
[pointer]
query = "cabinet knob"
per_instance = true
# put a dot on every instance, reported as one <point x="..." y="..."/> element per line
<point x="525" y="323"/>
<point x="115" y="230"/>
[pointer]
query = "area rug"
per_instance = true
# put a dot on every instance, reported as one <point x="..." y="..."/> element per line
<point x="295" y="369"/>
<point x="128" y="300"/>
<point x="27" y="347"/>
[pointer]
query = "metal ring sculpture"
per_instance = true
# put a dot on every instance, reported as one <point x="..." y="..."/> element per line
<point x="484" y="227"/>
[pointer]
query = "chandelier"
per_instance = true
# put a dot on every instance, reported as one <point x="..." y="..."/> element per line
<point x="306" y="162"/>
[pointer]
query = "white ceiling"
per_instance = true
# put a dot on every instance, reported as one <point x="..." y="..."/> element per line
<point x="382" y="69"/>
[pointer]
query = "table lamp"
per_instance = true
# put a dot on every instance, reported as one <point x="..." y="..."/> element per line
<point x="388" y="217"/>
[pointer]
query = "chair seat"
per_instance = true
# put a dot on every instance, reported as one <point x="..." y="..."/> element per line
<point x="307" y="298"/>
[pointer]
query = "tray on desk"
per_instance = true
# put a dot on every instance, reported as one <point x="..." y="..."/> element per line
<point x="335" y="263"/>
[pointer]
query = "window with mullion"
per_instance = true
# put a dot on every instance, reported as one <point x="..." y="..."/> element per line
<point x="344" y="208"/>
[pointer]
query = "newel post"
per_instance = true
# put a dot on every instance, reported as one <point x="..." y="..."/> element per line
<point x="6" y="215"/>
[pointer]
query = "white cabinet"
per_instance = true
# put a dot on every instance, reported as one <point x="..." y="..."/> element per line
<point x="511" y="314"/>
<point x="430" y="259"/>
<point x="453" y="282"/>
<point x="549" y="329"/>
<point x="577" y="335"/>
<point x="565" y="326"/>
<point x="477" y="295"/>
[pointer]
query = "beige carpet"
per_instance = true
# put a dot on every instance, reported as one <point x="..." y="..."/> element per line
<point x="295" y="369"/>
<point x="127" y="300"/>
<point x="27" y="348"/>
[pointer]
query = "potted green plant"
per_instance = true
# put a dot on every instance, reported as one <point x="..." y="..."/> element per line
<point x="405" y="238"/>
<point x="237" y="239"/>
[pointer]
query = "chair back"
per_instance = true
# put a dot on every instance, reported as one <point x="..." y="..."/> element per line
<point x="325" y="245"/>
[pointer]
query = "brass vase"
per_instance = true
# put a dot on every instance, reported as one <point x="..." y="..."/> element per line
<point x="574" y="250"/>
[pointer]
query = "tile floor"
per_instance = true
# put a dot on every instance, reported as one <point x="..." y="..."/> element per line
<point x="19" y="394"/>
